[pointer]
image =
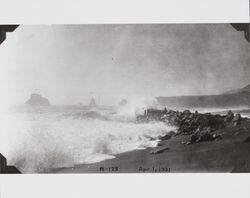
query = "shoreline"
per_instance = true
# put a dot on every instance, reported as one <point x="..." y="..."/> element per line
<point x="229" y="154"/>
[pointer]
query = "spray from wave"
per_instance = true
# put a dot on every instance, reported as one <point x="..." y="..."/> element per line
<point x="132" y="108"/>
<point x="38" y="141"/>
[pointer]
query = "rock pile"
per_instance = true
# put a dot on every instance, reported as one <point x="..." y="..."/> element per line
<point x="200" y="126"/>
<point x="200" y="136"/>
<point x="229" y="117"/>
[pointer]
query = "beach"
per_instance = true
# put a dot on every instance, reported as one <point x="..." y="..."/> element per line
<point x="229" y="154"/>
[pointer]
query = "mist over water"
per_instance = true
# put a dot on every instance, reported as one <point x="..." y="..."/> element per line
<point x="69" y="64"/>
<point x="38" y="139"/>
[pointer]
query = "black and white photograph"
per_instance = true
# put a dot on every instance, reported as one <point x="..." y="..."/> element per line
<point x="125" y="98"/>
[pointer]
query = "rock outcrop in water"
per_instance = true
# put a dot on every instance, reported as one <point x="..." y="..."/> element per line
<point x="92" y="103"/>
<point x="37" y="100"/>
<point x="123" y="102"/>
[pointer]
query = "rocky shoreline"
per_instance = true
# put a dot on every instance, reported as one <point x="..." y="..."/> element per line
<point x="203" y="142"/>
<point x="199" y="126"/>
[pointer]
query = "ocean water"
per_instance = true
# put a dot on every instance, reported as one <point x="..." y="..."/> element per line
<point x="38" y="139"/>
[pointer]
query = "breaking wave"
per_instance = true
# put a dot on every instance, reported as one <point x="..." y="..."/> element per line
<point x="38" y="141"/>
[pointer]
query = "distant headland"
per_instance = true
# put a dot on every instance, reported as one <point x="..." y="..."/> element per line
<point x="230" y="99"/>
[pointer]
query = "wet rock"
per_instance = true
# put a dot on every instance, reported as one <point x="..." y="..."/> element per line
<point x="215" y="122"/>
<point x="209" y="129"/>
<point x="236" y="123"/>
<point x="159" y="150"/>
<point x="205" y="136"/>
<point x="172" y="133"/>
<point x="229" y="117"/>
<point x="165" y="137"/>
<point x="187" y="112"/>
<point x="201" y="136"/>
<point x="189" y="123"/>
<point x="236" y="118"/>
<point x="203" y="121"/>
<point x="237" y="133"/>
<point x="163" y="117"/>
<point x="159" y="144"/>
<point x="217" y="137"/>
<point x="191" y="116"/>
<point x="149" y="137"/>
<point x="194" y="138"/>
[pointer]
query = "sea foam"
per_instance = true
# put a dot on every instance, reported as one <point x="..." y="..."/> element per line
<point x="40" y="140"/>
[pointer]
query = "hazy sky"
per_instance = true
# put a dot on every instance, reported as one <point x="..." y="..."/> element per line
<point x="71" y="63"/>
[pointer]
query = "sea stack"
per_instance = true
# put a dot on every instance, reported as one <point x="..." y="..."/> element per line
<point x="123" y="102"/>
<point x="37" y="100"/>
<point x="92" y="103"/>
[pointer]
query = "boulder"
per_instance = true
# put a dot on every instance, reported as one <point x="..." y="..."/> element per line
<point x="123" y="102"/>
<point x="236" y="118"/>
<point x="237" y="133"/>
<point x="209" y="129"/>
<point x="201" y="136"/>
<point x="159" y="150"/>
<point x="229" y="117"/>
<point x="217" y="137"/>
<point x="207" y="136"/>
<point x="194" y="137"/>
<point x="159" y="144"/>
<point x="172" y="133"/>
<point x="191" y="116"/>
<point x="165" y="137"/>
<point x="187" y="112"/>
<point x="236" y="123"/>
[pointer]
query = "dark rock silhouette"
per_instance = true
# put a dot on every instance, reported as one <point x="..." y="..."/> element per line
<point x="237" y="118"/>
<point x="37" y="100"/>
<point x="229" y="117"/>
<point x="165" y="137"/>
<point x="159" y="150"/>
<point x="92" y="103"/>
<point x="123" y="102"/>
